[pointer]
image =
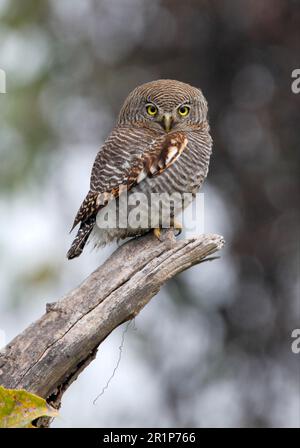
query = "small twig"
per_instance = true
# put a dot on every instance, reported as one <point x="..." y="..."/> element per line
<point x="121" y="346"/>
<point x="209" y="259"/>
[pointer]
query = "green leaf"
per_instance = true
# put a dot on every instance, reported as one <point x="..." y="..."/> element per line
<point x="18" y="408"/>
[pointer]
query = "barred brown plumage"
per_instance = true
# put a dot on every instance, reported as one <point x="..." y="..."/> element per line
<point x="148" y="154"/>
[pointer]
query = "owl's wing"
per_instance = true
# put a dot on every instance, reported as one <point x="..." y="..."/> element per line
<point x="126" y="159"/>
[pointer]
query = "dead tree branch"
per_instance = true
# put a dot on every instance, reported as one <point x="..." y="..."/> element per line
<point x="49" y="355"/>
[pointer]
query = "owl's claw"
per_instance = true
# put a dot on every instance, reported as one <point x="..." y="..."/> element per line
<point x="177" y="227"/>
<point x="178" y="231"/>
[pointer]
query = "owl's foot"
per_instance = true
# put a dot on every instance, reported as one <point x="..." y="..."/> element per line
<point x="157" y="233"/>
<point x="177" y="226"/>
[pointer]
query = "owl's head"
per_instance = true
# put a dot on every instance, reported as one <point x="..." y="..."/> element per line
<point x="165" y="105"/>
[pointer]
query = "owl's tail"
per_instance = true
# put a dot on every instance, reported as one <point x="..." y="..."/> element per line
<point x="81" y="238"/>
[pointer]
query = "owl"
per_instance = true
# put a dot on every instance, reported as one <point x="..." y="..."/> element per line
<point x="160" y="145"/>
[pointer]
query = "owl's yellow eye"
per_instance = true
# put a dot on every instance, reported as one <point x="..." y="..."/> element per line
<point x="151" y="110"/>
<point x="183" y="111"/>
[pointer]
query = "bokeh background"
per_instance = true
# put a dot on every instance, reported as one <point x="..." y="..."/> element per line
<point x="213" y="349"/>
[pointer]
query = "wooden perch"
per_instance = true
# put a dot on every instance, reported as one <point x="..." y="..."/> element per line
<point x="49" y="355"/>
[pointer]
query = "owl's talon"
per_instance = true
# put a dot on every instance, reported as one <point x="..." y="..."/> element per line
<point x="177" y="227"/>
<point x="177" y="231"/>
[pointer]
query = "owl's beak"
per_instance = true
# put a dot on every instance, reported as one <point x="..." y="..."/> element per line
<point x="167" y="121"/>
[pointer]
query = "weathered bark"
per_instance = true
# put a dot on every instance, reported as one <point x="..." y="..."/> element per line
<point x="49" y="355"/>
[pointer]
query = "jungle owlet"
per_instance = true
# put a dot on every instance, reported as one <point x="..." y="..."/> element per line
<point x="161" y="144"/>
